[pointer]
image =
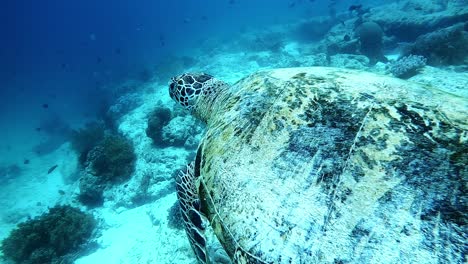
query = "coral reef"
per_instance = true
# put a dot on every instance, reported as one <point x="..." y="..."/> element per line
<point x="319" y="59"/>
<point x="424" y="6"/>
<point x="406" y="20"/>
<point x="180" y="131"/>
<point x="350" y="46"/>
<point x="91" y="190"/>
<point x="110" y="162"/>
<point x="141" y="195"/>
<point x="402" y="23"/>
<point x="123" y="105"/>
<point x="349" y="61"/>
<point x="164" y="130"/>
<point x="370" y="36"/>
<point x="50" y="237"/>
<point x="407" y="67"/>
<point x="85" y="139"/>
<point x="314" y="29"/>
<point x="112" y="159"/>
<point x="447" y="46"/>
<point x="156" y="121"/>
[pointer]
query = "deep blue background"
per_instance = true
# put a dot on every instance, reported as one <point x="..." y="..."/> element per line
<point x="64" y="48"/>
<point x="61" y="52"/>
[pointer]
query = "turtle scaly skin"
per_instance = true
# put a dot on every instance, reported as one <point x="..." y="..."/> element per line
<point x="197" y="92"/>
<point x="187" y="193"/>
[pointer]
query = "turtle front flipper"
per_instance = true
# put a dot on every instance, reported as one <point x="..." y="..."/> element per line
<point x="190" y="207"/>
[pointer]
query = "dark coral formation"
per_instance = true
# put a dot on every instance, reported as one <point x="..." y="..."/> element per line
<point x="156" y="121"/>
<point x="85" y="139"/>
<point x="91" y="190"/>
<point x="447" y="46"/>
<point x="111" y="161"/>
<point x="50" y="238"/>
<point x="370" y="36"/>
<point x="436" y="30"/>
<point x="105" y="158"/>
<point x="177" y="128"/>
<point x="410" y="19"/>
<point x="407" y="67"/>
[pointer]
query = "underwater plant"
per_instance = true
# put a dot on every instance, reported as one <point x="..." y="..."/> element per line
<point x="85" y="139"/>
<point x="408" y="66"/>
<point x="49" y="238"/>
<point x="110" y="162"/>
<point x="91" y="190"/>
<point x="156" y="121"/>
<point x="112" y="159"/>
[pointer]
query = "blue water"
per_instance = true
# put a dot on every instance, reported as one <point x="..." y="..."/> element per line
<point x="64" y="54"/>
<point x="60" y="61"/>
<point x="61" y="53"/>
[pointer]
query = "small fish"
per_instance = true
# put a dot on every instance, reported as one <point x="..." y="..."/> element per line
<point x="346" y="37"/>
<point x="118" y="51"/>
<point x="418" y="8"/>
<point x="162" y="41"/>
<point x="98" y="60"/>
<point x="231" y="2"/>
<point x="292" y="4"/>
<point x="354" y="7"/>
<point x="61" y="192"/>
<point x="26" y="161"/>
<point x="45" y="105"/>
<point x="52" y="169"/>
<point x="186" y="20"/>
<point x="38" y="129"/>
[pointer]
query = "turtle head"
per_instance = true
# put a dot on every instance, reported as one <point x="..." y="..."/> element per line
<point x="196" y="92"/>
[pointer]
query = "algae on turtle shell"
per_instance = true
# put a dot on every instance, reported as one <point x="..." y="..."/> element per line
<point x="326" y="165"/>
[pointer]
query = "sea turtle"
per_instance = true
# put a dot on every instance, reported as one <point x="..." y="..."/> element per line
<point x="326" y="165"/>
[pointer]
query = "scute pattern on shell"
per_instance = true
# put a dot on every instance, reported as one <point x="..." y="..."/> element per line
<point x="328" y="165"/>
